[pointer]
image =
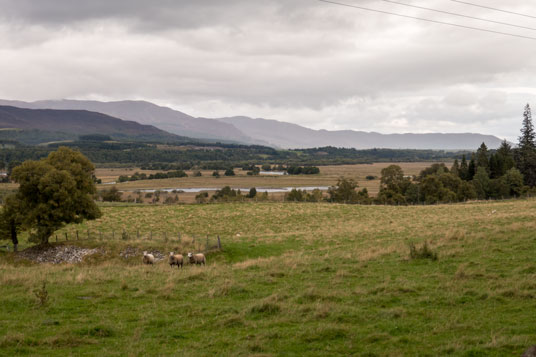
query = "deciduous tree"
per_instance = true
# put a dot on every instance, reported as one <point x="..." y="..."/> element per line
<point x="53" y="192"/>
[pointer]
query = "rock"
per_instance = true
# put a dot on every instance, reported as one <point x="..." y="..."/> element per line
<point x="57" y="254"/>
<point x="531" y="352"/>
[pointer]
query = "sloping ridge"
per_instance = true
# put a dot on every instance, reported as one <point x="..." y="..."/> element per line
<point x="292" y="136"/>
<point x="143" y="112"/>
<point x="78" y="122"/>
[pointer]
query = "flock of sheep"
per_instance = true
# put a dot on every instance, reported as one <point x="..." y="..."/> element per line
<point x="177" y="259"/>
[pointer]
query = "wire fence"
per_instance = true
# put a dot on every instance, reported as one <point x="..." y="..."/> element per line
<point x="196" y="242"/>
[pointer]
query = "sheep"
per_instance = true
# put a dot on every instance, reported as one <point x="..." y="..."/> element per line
<point x="197" y="259"/>
<point x="148" y="258"/>
<point x="175" y="259"/>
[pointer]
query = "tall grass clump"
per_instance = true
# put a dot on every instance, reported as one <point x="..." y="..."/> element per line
<point x="423" y="252"/>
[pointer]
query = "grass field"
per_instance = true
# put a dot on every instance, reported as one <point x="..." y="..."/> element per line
<point x="328" y="176"/>
<point x="292" y="280"/>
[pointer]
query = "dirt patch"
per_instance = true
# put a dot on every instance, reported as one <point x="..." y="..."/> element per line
<point x="57" y="254"/>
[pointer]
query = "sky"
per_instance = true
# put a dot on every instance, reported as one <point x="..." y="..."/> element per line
<point x="307" y="62"/>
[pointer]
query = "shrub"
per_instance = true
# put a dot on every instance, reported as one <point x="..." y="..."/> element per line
<point x="252" y="192"/>
<point x="111" y="195"/>
<point x="229" y="172"/>
<point x="423" y="252"/>
<point x="202" y="197"/>
<point x="41" y="295"/>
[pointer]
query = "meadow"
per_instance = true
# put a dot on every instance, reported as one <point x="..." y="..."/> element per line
<point x="328" y="177"/>
<point x="291" y="280"/>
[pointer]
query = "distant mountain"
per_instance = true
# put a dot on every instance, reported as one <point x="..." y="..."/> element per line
<point x="78" y="122"/>
<point x="263" y="131"/>
<point x="292" y="136"/>
<point x="142" y="112"/>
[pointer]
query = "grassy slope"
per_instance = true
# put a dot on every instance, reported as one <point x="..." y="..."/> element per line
<point x="302" y="279"/>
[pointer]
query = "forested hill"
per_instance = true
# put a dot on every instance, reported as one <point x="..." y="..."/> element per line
<point x="79" y="122"/>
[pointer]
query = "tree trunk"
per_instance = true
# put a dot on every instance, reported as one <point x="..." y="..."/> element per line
<point x="43" y="233"/>
<point x="14" y="238"/>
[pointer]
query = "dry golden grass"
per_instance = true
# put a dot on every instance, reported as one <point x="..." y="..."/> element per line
<point x="328" y="176"/>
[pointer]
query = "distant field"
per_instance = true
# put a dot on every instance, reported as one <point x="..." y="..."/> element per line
<point x="328" y="176"/>
<point x="292" y="280"/>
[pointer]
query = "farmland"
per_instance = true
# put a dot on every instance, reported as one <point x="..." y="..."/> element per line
<point x="328" y="176"/>
<point x="291" y="279"/>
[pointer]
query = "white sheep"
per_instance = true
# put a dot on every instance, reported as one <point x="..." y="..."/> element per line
<point x="197" y="259"/>
<point x="148" y="258"/>
<point x="175" y="259"/>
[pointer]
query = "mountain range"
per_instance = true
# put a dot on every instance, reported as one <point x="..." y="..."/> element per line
<point x="262" y="131"/>
<point x="78" y="122"/>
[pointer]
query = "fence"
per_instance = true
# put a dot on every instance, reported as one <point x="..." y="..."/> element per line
<point x="196" y="242"/>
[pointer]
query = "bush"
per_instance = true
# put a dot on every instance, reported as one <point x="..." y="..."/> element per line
<point x="252" y="192"/>
<point x="216" y="174"/>
<point x="423" y="252"/>
<point x="229" y="172"/>
<point x="202" y="197"/>
<point x="370" y="178"/>
<point x="111" y="195"/>
<point x="197" y="173"/>
<point x="41" y="295"/>
<point x="303" y="170"/>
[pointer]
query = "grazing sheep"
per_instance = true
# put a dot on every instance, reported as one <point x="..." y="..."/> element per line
<point x="175" y="259"/>
<point x="148" y="258"/>
<point x="197" y="259"/>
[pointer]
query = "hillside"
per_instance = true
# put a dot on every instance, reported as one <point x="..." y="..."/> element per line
<point x="293" y="279"/>
<point x="263" y="131"/>
<point x="77" y="122"/>
<point x="147" y="113"/>
<point x="292" y="136"/>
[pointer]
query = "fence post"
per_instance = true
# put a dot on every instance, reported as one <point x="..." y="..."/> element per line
<point x="165" y="236"/>
<point x="56" y="237"/>
<point x="219" y="243"/>
<point x="66" y="236"/>
<point x="100" y="235"/>
<point x="151" y="236"/>
<point x="77" y="235"/>
<point x="138" y="234"/>
<point x="113" y="234"/>
<point x="88" y="235"/>
<point x="206" y="247"/>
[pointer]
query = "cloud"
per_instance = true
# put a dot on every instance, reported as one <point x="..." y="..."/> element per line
<point x="302" y="61"/>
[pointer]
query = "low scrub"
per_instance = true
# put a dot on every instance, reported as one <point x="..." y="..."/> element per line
<point x="423" y="252"/>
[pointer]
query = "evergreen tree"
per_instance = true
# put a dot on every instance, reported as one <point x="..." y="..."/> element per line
<point x="464" y="169"/>
<point x="455" y="169"/>
<point x="527" y="138"/>
<point x="505" y="158"/>
<point x="525" y="155"/>
<point x="471" y="169"/>
<point x="495" y="169"/>
<point x="482" y="157"/>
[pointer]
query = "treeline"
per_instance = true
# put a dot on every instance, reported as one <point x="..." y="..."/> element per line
<point x="502" y="174"/>
<point x="228" y="194"/>
<point x="156" y="176"/>
<point x="213" y="156"/>
<point x="303" y="170"/>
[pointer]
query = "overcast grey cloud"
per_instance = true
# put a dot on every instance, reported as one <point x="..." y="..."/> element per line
<point x="301" y="61"/>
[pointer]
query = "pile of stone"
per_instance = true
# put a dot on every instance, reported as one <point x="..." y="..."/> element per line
<point x="57" y="254"/>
